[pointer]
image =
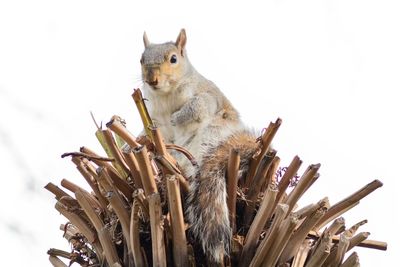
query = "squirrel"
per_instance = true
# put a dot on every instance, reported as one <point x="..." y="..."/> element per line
<point x="192" y="112"/>
<point x="189" y="110"/>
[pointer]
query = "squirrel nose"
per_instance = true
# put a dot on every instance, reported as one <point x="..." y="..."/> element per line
<point x="153" y="82"/>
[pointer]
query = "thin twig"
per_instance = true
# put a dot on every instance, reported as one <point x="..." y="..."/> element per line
<point x="87" y="156"/>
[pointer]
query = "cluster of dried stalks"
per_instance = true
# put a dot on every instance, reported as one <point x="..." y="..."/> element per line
<point x="134" y="215"/>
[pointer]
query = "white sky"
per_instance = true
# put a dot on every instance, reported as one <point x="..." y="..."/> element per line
<point x="329" y="69"/>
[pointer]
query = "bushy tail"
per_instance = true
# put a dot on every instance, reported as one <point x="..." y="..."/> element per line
<point x="208" y="214"/>
<point x="207" y="209"/>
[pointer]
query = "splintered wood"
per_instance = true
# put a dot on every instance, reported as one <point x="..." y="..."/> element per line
<point x="134" y="214"/>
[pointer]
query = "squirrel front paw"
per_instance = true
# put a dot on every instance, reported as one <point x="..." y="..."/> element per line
<point x="181" y="117"/>
<point x="187" y="114"/>
<point x="175" y="118"/>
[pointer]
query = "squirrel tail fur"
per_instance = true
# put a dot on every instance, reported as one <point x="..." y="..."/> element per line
<point x="207" y="210"/>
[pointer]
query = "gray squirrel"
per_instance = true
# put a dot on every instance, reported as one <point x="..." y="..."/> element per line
<point x="192" y="112"/>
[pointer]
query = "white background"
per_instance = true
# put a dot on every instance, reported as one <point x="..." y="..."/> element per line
<point x="329" y="69"/>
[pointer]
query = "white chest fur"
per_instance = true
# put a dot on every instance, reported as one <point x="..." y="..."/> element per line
<point x="162" y="106"/>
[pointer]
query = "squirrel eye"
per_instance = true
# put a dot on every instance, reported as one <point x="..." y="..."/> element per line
<point x="173" y="59"/>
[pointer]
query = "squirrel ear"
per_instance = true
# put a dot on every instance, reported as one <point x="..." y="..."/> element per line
<point x="181" y="40"/>
<point x="145" y="40"/>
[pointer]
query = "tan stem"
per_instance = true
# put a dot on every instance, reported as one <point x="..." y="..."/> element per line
<point x="302" y="231"/>
<point x="56" y="262"/>
<point x="287" y="177"/>
<point x="148" y="180"/>
<point x="117" y="127"/>
<point x="179" y="243"/>
<point x="302" y="186"/>
<point x="58" y="192"/>
<point x="138" y="257"/>
<point x="157" y="235"/>
<point x="116" y="153"/>
<point x="266" y="140"/>
<point x="143" y="112"/>
<point x="263" y="214"/>
<point x="134" y="168"/>
<point x="255" y="187"/>
<point x="266" y="244"/>
<point x="349" y="201"/>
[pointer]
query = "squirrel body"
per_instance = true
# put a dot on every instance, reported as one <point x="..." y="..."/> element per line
<point x="192" y="112"/>
<point x="189" y="110"/>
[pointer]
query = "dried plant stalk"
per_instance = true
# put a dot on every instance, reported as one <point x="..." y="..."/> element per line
<point x="352" y="230"/>
<point x="336" y="256"/>
<point x="266" y="243"/>
<point x="320" y="224"/>
<point x="373" y="244"/>
<point x="321" y="250"/>
<point x="116" y="203"/>
<point x="121" y="184"/>
<point x="58" y="192"/>
<point x="266" y="140"/>
<point x="70" y="185"/>
<point x="108" y="246"/>
<point x="88" y="156"/>
<point x="319" y="256"/>
<point x="287" y="177"/>
<point x="138" y="257"/>
<point x="306" y="211"/>
<point x="76" y="220"/>
<point x="107" y="141"/>
<point x="337" y="225"/>
<point x="172" y="169"/>
<point x="134" y="168"/>
<point x="148" y="181"/>
<point x="157" y="235"/>
<point x="168" y="162"/>
<point x="351" y="261"/>
<point x="270" y="177"/>
<point x="59" y="253"/>
<point x="159" y="142"/>
<point x="74" y="188"/>
<point x="179" y="243"/>
<point x="117" y="127"/>
<point x="330" y="231"/>
<point x="82" y="168"/>
<point x="256" y="185"/>
<point x="351" y="200"/>
<point x="301" y="233"/>
<point x="98" y="225"/>
<point x="232" y="182"/>
<point x="99" y="162"/>
<point x="106" y="215"/>
<point x="263" y="214"/>
<point x="301" y="256"/>
<point x="259" y="178"/>
<point x="302" y="186"/>
<point x="139" y="196"/>
<point x="115" y="153"/>
<point x="56" y="262"/>
<point x="69" y="230"/>
<point x="144" y="114"/>
<point x="357" y="239"/>
<point x="285" y="232"/>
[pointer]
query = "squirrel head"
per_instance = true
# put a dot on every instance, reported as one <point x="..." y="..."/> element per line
<point x="164" y="65"/>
